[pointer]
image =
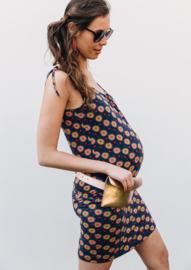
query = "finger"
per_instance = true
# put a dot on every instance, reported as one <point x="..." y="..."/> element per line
<point x="134" y="184"/>
<point x="138" y="178"/>
<point x="130" y="185"/>
<point x="124" y="186"/>
<point x="138" y="182"/>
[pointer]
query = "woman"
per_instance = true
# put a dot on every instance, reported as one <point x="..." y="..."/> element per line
<point x="102" y="142"/>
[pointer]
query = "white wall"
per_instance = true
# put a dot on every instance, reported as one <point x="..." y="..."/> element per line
<point x="146" y="67"/>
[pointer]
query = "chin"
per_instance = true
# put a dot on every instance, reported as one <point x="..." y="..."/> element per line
<point x="92" y="58"/>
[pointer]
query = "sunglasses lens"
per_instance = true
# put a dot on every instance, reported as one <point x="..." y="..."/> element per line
<point x="109" y="33"/>
<point x="101" y="34"/>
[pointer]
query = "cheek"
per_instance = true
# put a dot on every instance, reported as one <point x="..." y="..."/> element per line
<point x="86" y="45"/>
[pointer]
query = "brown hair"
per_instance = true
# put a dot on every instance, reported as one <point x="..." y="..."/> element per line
<point x="82" y="13"/>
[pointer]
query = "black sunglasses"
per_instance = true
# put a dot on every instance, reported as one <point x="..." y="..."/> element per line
<point x="100" y="34"/>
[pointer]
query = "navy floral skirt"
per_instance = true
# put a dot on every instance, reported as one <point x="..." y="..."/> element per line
<point x="108" y="232"/>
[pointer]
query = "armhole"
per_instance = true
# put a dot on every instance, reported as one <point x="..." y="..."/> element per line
<point x="53" y="79"/>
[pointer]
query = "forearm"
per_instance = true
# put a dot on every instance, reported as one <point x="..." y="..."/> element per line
<point x="66" y="161"/>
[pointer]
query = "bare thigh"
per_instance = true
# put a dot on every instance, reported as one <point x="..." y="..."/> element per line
<point x="153" y="251"/>
<point x="82" y="265"/>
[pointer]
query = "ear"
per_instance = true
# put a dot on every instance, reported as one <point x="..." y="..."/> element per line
<point x="71" y="27"/>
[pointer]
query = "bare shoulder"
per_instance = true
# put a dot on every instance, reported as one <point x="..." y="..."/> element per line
<point x="57" y="84"/>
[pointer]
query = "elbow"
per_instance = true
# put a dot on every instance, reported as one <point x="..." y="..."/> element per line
<point x="40" y="163"/>
<point x="42" y="160"/>
<point x="45" y="158"/>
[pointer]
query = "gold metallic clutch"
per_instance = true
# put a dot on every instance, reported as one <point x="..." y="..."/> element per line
<point x="113" y="195"/>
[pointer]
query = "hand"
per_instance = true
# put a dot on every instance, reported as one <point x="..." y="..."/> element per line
<point x="124" y="176"/>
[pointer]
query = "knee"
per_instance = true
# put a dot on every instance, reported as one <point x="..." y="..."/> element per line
<point x="160" y="261"/>
<point x="165" y="258"/>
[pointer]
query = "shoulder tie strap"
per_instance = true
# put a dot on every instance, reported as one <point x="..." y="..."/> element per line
<point x="53" y="79"/>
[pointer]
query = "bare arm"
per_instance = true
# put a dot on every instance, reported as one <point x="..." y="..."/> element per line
<point x="66" y="161"/>
<point x="51" y="114"/>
